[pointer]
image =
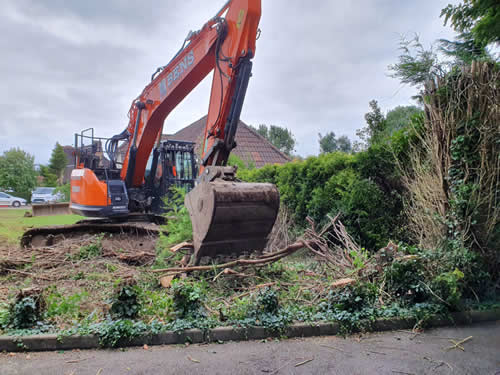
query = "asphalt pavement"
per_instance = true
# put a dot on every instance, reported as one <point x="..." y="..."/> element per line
<point x="397" y="352"/>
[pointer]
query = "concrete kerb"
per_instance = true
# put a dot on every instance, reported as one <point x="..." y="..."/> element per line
<point x="222" y="334"/>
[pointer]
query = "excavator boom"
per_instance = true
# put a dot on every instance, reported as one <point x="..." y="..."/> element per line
<point x="227" y="216"/>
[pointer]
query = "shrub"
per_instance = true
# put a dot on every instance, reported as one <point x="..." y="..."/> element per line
<point x="25" y="312"/>
<point x="4" y="315"/>
<point x="267" y="311"/>
<point x="448" y="286"/>
<point x="65" y="191"/>
<point x="352" y="298"/>
<point x="187" y="299"/>
<point x="125" y="303"/>
<point x="404" y="280"/>
<point x="362" y="187"/>
<point x="267" y="302"/>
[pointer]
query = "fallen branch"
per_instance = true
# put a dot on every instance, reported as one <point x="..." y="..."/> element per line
<point x="229" y="271"/>
<point x="30" y="275"/>
<point x="182" y="245"/>
<point x="260" y="286"/>
<point x="239" y="262"/>
<point x="458" y="344"/>
<point x="304" y="362"/>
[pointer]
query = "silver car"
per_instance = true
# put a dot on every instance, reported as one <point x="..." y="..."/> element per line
<point x="45" y="195"/>
<point x="9" y="200"/>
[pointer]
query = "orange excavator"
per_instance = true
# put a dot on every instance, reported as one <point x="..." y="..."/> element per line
<point x="228" y="216"/>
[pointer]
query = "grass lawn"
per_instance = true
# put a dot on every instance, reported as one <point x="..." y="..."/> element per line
<point x="13" y="223"/>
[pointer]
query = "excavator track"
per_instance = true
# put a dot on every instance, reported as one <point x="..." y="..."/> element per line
<point x="134" y="226"/>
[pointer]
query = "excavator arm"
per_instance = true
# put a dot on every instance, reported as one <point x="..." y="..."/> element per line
<point x="224" y="46"/>
<point x="227" y="216"/>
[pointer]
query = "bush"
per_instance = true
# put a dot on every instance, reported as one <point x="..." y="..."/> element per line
<point x="352" y="298"/>
<point x="187" y="299"/>
<point x="125" y="303"/>
<point x="25" y="312"/>
<point x="448" y="286"/>
<point x="267" y="312"/>
<point x="363" y="187"/>
<point x="404" y="280"/>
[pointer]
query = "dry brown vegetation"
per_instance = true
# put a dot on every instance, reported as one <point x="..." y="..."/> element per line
<point x="91" y="263"/>
<point x="461" y="131"/>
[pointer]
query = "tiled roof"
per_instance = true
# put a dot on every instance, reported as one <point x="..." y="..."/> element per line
<point x="250" y="145"/>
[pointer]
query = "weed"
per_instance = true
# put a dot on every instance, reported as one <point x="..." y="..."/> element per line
<point x="267" y="302"/>
<point x="20" y="344"/>
<point x="80" y="275"/>
<point x="4" y="315"/>
<point x="352" y="307"/>
<point x="352" y="298"/>
<point x="155" y="304"/>
<point x="360" y="258"/>
<point x="180" y="229"/>
<point x="91" y="251"/>
<point x="178" y="225"/>
<point x="111" y="268"/>
<point x="61" y="306"/>
<point x="109" y="331"/>
<point x="112" y="331"/>
<point x="266" y="312"/>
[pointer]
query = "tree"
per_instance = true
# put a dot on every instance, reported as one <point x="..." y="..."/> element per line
<point x="376" y="124"/>
<point x="344" y="144"/>
<point x="464" y="49"/>
<point x="17" y="171"/>
<point x="58" y="160"/>
<point x="49" y="178"/>
<point x="263" y="131"/>
<point x="327" y="143"/>
<point x="480" y="18"/>
<point x="416" y="64"/>
<point x="280" y="137"/>
<point x="399" y="117"/>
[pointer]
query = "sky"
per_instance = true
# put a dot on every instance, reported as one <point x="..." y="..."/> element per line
<point x="68" y="65"/>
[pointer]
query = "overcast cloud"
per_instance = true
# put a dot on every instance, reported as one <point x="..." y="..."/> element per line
<point x="69" y="65"/>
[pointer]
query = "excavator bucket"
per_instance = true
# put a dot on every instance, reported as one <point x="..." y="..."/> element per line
<point x="231" y="218"/>
<point x="50" y="209"/>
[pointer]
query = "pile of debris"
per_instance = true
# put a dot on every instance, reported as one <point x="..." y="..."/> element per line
<point x="331" y="245"/>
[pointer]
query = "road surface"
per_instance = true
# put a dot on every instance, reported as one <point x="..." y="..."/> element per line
<point x="398" y="352"/>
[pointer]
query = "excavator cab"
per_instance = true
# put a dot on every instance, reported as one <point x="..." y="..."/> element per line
<point x="99" y="161"/>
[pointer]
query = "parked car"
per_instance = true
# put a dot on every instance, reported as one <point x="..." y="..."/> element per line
<point x="10" y="200"/>
<point x="45" y="195"/>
